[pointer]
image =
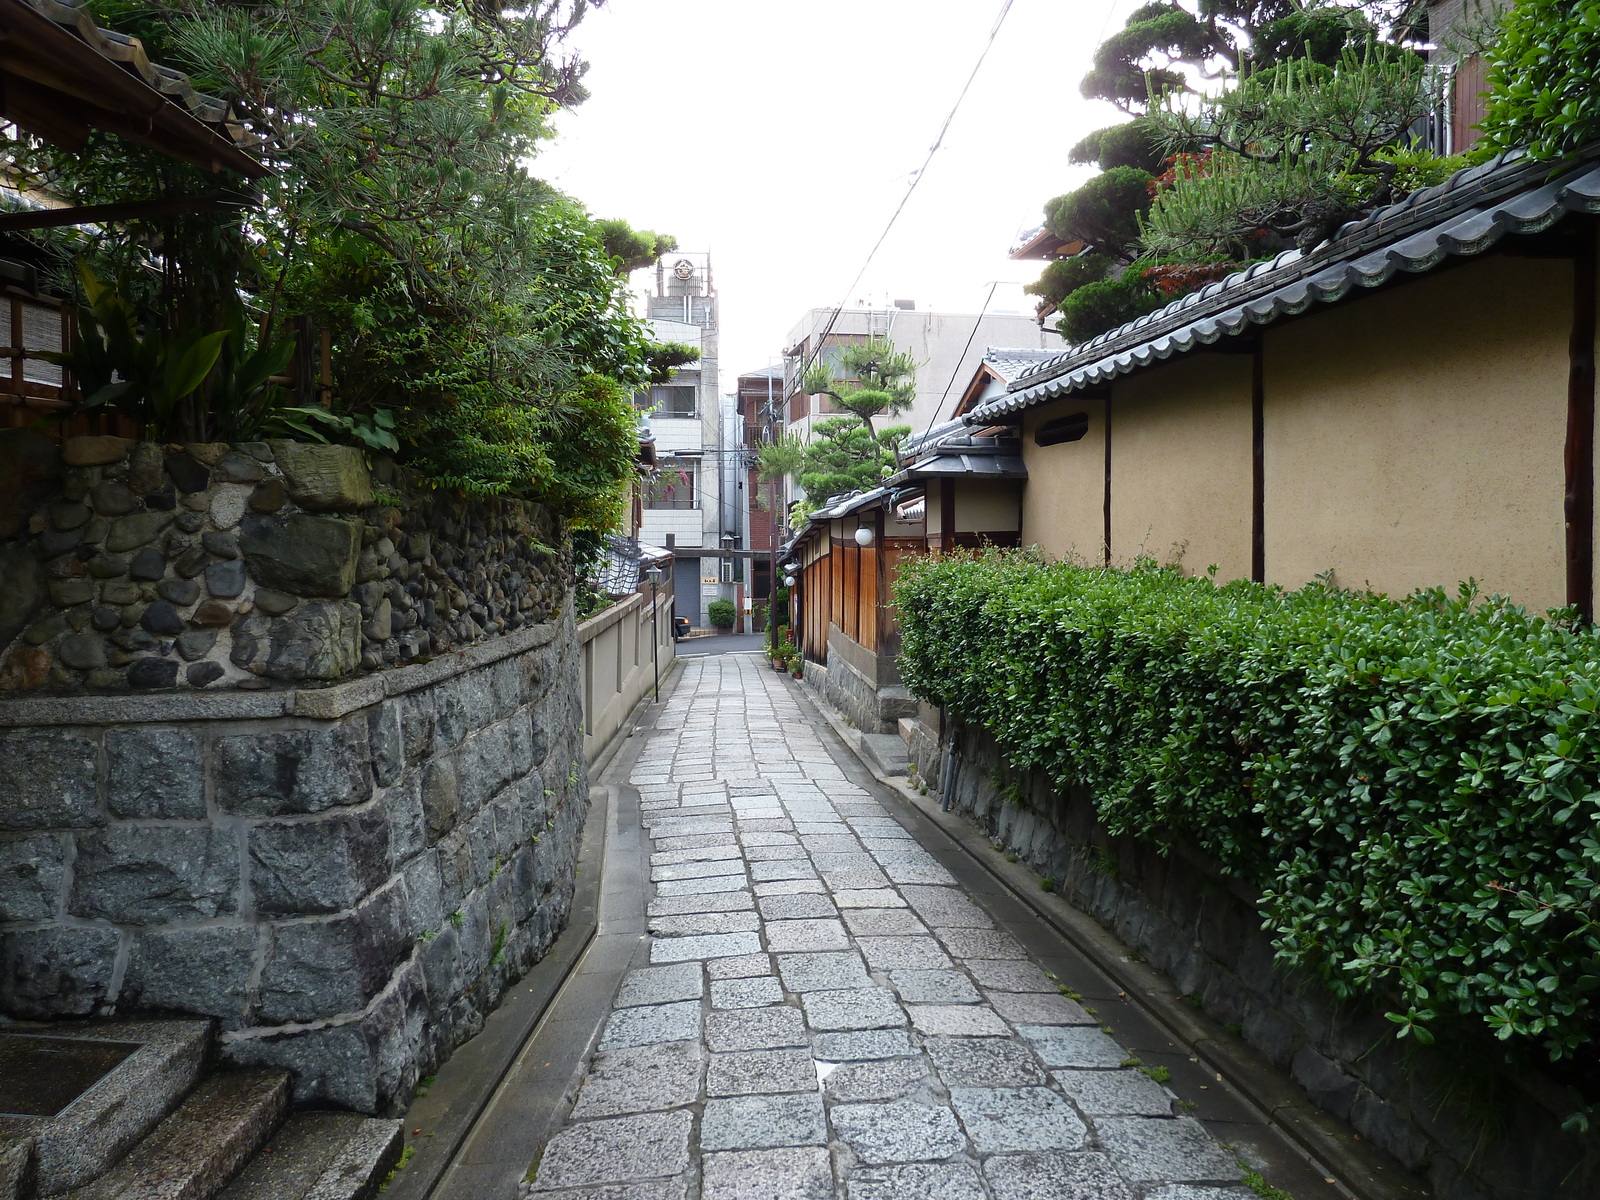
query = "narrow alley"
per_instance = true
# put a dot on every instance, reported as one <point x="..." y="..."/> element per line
<point x="822" y="1011"/>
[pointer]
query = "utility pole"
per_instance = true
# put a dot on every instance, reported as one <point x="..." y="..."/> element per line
<point x="772" y="523"/>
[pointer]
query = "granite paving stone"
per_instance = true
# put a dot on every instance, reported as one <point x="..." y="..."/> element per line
<point x="1174" y="1150"/>
<point x="880" y="1079"/>
<point x="755" y="1028"/>
<point x="1006" y="975"/>
<point x="699" y="887"/>
<point x="748" y="1072"/>
<point x="882" y="922"/>
<point x="708" y="945"/>
<point x="641" y="1079"/>
<point x="742" y="966"/>
<point x="900" y="1131"/>
<point x="761" y="1122"/>
<point x="980" y="943"/>
<point x="1039" y="1008"/>
<point x="788" y="1173"/>
<point x="1073" y="1046"/>
<point x="957" y="1020"/>
<point x="791" y="887"/>
<point x="818" y="933"/>
<point x="916" y="1181"/>
<point x="868" y="898"/>
<point x="825" y="972"/>
<point x="858" y="1044"/>
<point x="661" y="985"/>
<point x="1056" y="1175"/>
<point x="983" y="1062"/>
<point x="690" y="870"/>
<point x="616" y="1150"/>
<point x="746" y="993"/>
<point x="650" y="1024"/>
<point x="914" y="953"/>
<point x="1128" y="1092"/>
<point x="935" y="987"/>
<point x="1023" y="1118"/>
<point x="813" y="1027"/>
<point x="858" y="1008"/>
<point x="787" y="908"/>
<point x="697" y="923"/>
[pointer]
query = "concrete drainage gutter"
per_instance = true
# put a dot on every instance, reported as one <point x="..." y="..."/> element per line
<point x="1327" y="1144"/>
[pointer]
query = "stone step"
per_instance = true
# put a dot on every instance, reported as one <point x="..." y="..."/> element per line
<point x="321" y="1156"/>
<point x="198" y="1149"/>
<point x="148" y="1067"/>
<point x="887" y="752"/>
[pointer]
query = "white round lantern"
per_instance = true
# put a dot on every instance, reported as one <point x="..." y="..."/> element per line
<point x="863" y="535"/>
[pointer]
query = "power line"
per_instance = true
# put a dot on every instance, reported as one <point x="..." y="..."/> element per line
<point x="916" y="178"/>
<point x="956" y="371"/>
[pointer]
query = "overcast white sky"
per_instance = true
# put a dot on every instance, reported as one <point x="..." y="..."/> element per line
<point x="779" y="135"/>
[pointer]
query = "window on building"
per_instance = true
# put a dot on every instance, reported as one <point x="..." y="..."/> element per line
<point x="672" y="485"/>
<point x="669" y="400"/>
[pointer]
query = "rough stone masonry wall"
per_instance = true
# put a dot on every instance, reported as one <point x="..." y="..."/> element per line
<point x="131" y="565"/>
<point x="219" y="794"/>
<point x="1451" y="1112"/>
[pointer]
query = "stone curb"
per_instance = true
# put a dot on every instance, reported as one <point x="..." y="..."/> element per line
<point x="323" y="704"/>
<point x="1361" y="1169"/>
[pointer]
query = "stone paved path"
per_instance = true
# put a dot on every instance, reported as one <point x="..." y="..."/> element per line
<point x="825" y="1014"/>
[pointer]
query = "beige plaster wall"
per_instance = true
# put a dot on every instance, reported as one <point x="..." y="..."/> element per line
<point x="1180" y="464"/>
<point x="990" y="507"/>
<point x="1414" y="437"/>
<point x="1062" y="510"/>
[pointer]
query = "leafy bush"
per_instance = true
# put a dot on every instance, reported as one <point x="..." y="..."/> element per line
<point x="1542" y="70"/>
<point x="1414" y="784"/>
<point x="721" y="614"/>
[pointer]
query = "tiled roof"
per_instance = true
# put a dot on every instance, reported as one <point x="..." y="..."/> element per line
<point x="1466" y="215"/>
<point x="1009" y="363"/>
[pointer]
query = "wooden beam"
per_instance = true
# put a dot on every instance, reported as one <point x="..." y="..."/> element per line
<point x="1258" y="474"/>
<point x="1578" y="454"/>
<point x="1106" y="532"/>
<point x="102" y="214"/>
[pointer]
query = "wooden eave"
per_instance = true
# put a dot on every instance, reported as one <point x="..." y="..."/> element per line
<point x="56" y="85"/>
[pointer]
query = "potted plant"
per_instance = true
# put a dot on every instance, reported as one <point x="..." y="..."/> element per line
<point x="796" y="665"/>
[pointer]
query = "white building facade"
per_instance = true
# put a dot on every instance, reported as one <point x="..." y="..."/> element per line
<point x="686" y="505"/>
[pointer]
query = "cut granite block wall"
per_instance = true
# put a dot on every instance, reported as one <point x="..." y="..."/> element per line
<point x="135" y="566"/>
<point x="281" y="743"/>
<point x="1472" y="1122"/>
<point x="346" y="878"/>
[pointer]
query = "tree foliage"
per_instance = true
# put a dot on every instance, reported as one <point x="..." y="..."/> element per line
<point x="870" y="378"/>
<point x="1413" y="784"/>
<point x="1192" y="59"/>
<point x="1542" y="72"/>
<point x="479" y="307"/>
<point x="1290" y="152"/>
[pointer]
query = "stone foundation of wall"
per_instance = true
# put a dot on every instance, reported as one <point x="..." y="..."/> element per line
<point x="346" y="878"/>
<point x="864" y="686"/>
<point x="1455" y="1113"/>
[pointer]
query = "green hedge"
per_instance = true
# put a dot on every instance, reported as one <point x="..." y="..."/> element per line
<point x="1413" y="784"/>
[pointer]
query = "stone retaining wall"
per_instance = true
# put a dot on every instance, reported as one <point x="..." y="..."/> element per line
<point x="346" y="878"/>
<point x="132" y="565"/>
<point x="1456" y="1113"/>
<point x="282" y="743"/>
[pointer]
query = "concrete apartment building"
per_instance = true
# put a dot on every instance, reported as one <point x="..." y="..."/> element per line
<point x="687" y="504"/>
<point x="947" y="346"/>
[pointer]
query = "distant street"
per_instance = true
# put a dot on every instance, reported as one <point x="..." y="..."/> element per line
<point x="727" y="643"/>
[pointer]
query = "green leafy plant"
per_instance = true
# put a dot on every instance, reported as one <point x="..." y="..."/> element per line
<point x="721" y="614"/>
<point x="1413" y="784"/>
<point x="1542" y="70"/>
<point x="119" y="363"/>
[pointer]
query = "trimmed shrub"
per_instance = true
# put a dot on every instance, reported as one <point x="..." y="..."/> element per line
<point x="1413" y="784"/>
<point x="720" y="613"/>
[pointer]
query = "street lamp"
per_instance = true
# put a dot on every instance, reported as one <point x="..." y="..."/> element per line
<point x="863" y="535"/>
<point x="654" y="576"/>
